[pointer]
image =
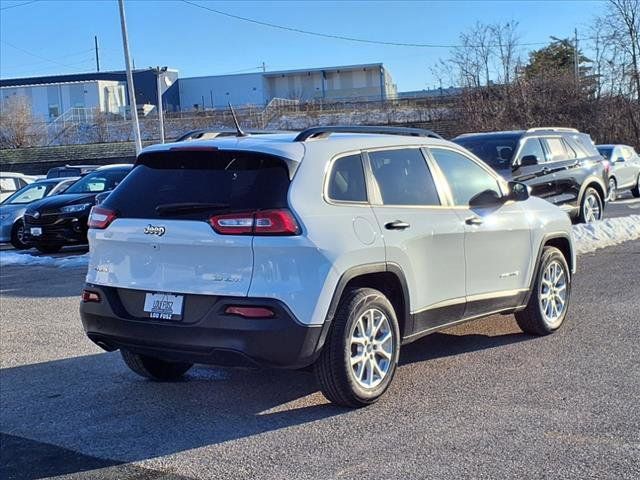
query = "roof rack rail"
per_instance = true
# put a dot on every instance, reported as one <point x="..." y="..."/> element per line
<point x="553" y="129"/>
<point x="324" y="132"/>
<point x="205" y="133"/>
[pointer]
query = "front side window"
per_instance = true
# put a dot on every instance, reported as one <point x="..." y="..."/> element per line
<point x="346" y="183"/>
<point x="403" y="177"/>
<point x="465" y="177"/>
<point x="556" y="150"/>
<point x="532" y="147"/>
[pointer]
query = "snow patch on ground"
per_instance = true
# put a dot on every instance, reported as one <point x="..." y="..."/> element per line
<point x="605" y="233"/>
<point x="23" y="258"/>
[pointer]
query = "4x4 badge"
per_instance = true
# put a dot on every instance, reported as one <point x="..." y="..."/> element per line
<point x="154" y="230"/>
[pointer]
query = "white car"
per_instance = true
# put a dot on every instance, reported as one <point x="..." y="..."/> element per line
<point x="329" y="248"/>
<point x="11" y="182"/>
<point x="624" y="173"/>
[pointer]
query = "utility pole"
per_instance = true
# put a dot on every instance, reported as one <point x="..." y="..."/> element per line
<point x="159" y="71"/>
<point x="130" y="87"/>
<point x="95" y="39"/>
<point x="264" y="67"/>
<point x="576" y="60"/>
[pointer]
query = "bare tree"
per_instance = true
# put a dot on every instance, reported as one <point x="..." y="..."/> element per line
<point x="17" y="125"/>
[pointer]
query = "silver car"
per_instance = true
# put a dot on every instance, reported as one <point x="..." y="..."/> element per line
<point x="625" y="169"/>
<point x="12" y="208"/>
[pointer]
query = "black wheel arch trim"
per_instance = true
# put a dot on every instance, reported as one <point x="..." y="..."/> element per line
<point x="588" y="182"/>
<point x="543" y="243"/>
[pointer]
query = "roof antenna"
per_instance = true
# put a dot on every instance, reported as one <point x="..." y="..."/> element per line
<point x="235" y="121"/>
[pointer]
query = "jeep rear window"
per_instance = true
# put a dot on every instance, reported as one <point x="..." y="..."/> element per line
<point x="212" y="181"/>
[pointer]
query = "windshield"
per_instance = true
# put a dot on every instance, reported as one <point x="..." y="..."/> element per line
<point x="30" y="193"/>
<point x="606" y="152"/>
<point x="99" y="181"/>
<point x="496" y="151"/>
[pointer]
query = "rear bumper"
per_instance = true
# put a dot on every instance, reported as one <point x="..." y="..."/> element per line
<point x="206" y="334"/>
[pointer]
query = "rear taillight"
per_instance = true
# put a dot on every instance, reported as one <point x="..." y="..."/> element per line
<point x="263" y="222"/>
<point x="90" y="297"/>
<point x="101" y="217"/>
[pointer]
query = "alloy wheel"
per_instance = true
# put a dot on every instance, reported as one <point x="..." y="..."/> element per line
<point x="371" y="346"/>
<point x="592" y="210"/>
<point x="552" y="293"/>
<point x="612" y="190"/>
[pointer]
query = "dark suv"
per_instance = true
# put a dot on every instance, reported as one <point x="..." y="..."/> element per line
<point x="560" y="165"/>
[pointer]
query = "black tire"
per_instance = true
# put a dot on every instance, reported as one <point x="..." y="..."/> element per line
<point x="531" y="319"/>
<point x="16" y="236"/>
<point x="613" y="185"/>
<point x="49" y="248"/>
<point x="154" y="368"/>
<point x="333" y="369"/>
<point x="635" y="191"/>
<point x="590" y="193"/>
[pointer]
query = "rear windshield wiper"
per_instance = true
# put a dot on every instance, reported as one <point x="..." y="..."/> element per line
<point x="188" y="207"/>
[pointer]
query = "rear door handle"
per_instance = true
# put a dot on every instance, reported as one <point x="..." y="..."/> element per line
<point x="396" y="225"/>
<point x="473" y="220"/>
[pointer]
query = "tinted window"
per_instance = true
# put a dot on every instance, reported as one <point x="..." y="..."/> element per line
<point x="347" y="180"/>
<point x="403" y="177"/>
<point x="465" y="177"/>
<point x="99" y="181"/>
<point x="606" y="152"/>
<point x="496" y="151"/>
<point x="556" y="150"/>
<point x="195" y="184"/>
<point x="532" y="146"/>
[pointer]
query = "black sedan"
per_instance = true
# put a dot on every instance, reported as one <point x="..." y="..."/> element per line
<point x="55" y="222"/>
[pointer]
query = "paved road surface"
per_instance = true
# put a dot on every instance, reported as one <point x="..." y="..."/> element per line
<point x="481" y="400"/>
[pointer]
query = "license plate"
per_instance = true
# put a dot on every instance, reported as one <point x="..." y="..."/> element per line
<point x="163" y="306"/>
<point x="36" y="231"/>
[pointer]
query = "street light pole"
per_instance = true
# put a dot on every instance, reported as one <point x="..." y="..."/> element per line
<point x="159" y="71"/>
<point x="130" y="87"/>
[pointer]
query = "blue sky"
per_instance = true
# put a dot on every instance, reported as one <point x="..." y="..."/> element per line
<point x="54" y="37"/>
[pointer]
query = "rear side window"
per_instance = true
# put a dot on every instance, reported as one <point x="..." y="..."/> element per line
<point x="8" y="184"/>
<point x="403" y="177"/>
<point x="346" y="183"/>
<point x="197" y="184"/>
<point x="555" y="148"/>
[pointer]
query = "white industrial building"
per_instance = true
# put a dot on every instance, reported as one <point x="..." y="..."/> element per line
<point x="49" y="101"/>
<point x="362" y="82"/>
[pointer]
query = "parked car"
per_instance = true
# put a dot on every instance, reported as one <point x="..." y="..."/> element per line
<point x="560" y="165"/>
<point x="12" y="209"/>
<point x="11" y="182"/>
<point x="53" y="222"/>
<point x="71" y="171"/>
<point x="624" y="173"/>
<point x="325" y="248"/>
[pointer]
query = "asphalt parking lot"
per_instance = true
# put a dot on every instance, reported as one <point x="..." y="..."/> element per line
<point x="623" y="206"/>
<point x="480" y="400"/>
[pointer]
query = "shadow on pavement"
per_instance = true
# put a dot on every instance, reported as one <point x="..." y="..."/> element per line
<point x="94" y="405"/>
<point x="34" y="281"/>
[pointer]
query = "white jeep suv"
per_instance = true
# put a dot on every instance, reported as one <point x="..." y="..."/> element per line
<point x="328" y="248"/>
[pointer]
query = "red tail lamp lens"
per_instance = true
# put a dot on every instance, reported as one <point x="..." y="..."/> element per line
<point x="250" y="312"/>
<point x="101" y="217"/>
<point x="89" y="296"/>
<point x="264" y="222"/>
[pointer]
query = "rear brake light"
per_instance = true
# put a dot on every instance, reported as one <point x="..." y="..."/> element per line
<point x="250" y="312"/>
<point x="89" y="296"/>
<point x="264" y="222"/>
<point x="101" y="217"/>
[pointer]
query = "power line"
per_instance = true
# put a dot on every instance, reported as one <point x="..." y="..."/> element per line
<point x="19" y="5"/>
<point x="35" y="55"/>
<point x="341" y="37"/>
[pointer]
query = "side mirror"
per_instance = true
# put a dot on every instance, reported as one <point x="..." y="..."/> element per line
<point x="486" y="198"/>
<point x="529" y="160"/>
<point x="619" y="160"/>
<point x="518" y="191"/>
